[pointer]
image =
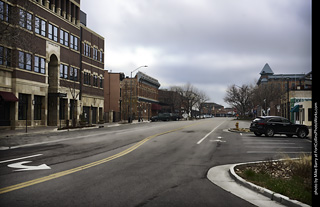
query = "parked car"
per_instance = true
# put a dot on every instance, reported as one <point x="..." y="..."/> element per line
<point x="165" y="117"/>
<point x="270" y="125"/>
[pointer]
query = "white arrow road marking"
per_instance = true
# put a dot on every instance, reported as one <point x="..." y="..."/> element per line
<point x="25" y="168"/>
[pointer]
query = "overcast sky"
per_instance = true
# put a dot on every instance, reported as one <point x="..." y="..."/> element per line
<point x="211" y="44"/>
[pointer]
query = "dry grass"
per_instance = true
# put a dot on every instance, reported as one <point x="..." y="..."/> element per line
<point x="289" y="177"/>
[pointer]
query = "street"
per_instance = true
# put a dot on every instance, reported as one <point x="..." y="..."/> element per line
<point x="148" y="164"/>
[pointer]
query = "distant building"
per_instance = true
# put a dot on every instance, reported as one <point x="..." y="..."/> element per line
<point x="141" y="93"/>
<point x="293" y="87"/>
<point x="290" y="81"/>
<point x="171" y="102"/>
<point x="217" y="110"/>
<point x="51" y="65"/>
<point x="112" y="96"/>
<point x="210" y="108"/>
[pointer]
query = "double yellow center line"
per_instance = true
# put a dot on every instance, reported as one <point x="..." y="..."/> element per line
<point x="83" y="167"/>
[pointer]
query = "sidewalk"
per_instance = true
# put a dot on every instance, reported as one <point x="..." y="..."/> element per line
<point x="225" y="177"/>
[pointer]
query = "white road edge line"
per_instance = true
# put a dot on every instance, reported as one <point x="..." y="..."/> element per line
<point x="199" y="142"/>
<point x="21" y="158"/>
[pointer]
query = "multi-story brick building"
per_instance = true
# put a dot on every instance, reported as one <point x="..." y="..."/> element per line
<point x="51" y="64"/>
<point x="288" y="89"/>
<point x="141" y="93"/>
<point x="112" y="96"/>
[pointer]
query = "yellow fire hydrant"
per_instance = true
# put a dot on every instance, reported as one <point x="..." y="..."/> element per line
<point x="237" y="125"/>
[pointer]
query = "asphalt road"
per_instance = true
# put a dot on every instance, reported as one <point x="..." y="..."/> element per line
<point x="149" y="164"/>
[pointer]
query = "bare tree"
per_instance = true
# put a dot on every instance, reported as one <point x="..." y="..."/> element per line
<point x="17" y="26"/>
<point x="190" y="97"/>
<point x="265" y="94"/>
<point x="202" y="98"/>
<point x="240" y="98"/>
<point x="74" y="89"/>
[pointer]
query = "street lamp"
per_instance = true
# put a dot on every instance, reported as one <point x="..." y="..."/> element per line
<point x="130" y="109"/>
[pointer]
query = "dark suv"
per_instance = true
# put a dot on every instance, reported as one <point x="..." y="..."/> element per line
<point x="270" y="125"/>
<point x="165" y="117"/>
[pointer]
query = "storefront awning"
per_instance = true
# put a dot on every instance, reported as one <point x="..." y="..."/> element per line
<point x="148" y="100"/>
<point x="8" y="96"/>
<point x="295" y="109"/>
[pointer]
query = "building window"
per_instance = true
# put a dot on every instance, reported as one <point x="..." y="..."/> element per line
<point x="101" y="82"/>
<point x="5" y="11"/>
<point x="101" y="57"/>
<point x="22" y="108"/>
<point x="36" y="64"/>
<point x="55" y="33"/>
<point x="95" y="53"/>
<point x="64" y="37"/>
<point x="75" y="74"/>
<point x="29" y="21"/>
<point x="25" y="20"/>
<point x="75" y="43"/>
<point x="40" y="26"/>
<point x="5" y="56"/>
<point x="24" y="60"/>
<point x="95" y="80"/>
<point x="71" y="73"/>
<point x="42" y="65"/>
<point x="50" y="31"/>
<point x="39" y="65"/>
<point x="63" y="71"/>
<point x="37" y="25"/>
<point x="71" y="41"/>
<point x="86" y="50"/>
<point x="37" y="107"/>
<point x="61" y="36"/>
<point x="86" y="78"/>
<point x="43" y="27"/>
<point x="2" y="10"/>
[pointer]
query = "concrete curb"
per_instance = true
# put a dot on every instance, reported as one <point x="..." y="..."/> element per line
<point x="268" y="193"/>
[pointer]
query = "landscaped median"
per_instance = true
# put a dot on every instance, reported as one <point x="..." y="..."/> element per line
<point x="240" y="130"/>
<point x="288" y="181"/>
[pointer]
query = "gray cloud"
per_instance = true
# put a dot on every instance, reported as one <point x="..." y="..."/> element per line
<point x="208" y="43"/>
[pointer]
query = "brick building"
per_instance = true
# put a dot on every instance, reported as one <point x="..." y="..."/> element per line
<point x="141" y="92"/>
<point x="290" y="87"/>
<point x="51" y="64"/>
<point x="112" y="96"/>
<point x="171" y="102"/>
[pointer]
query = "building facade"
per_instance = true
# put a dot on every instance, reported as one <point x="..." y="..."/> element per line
<point x="290" y="89"/>
<point x="171" y="102"/>
<point x="51" y="65"/>
<point x="112" y="96"/>
<point x="139" y="97"/>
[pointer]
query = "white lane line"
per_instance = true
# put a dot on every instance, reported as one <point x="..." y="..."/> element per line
<point x="21" y="158"/>
<point x="199" y="142"/>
